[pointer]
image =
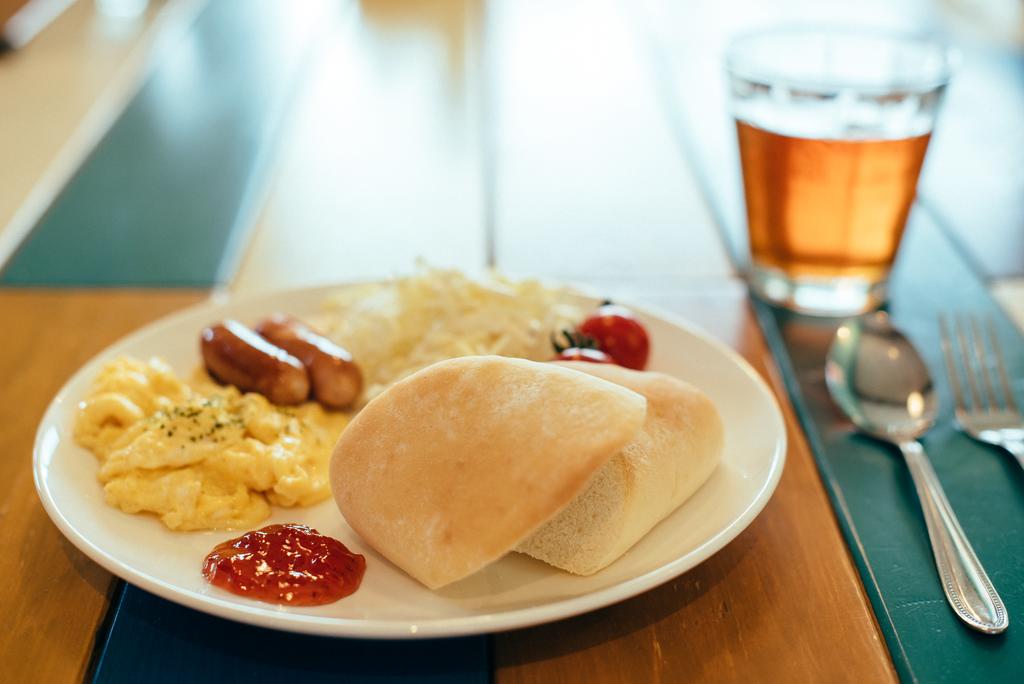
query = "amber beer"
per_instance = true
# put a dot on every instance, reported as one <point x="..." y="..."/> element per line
<point x="827" y="208"/>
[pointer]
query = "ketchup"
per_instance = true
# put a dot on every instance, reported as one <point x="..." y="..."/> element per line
<point x="292" y="565"/>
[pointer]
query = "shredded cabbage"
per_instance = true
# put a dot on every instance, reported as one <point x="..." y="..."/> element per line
<point x="395" y="328"/>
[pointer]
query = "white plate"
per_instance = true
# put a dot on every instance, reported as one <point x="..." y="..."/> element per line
<point x="517" y="591"/>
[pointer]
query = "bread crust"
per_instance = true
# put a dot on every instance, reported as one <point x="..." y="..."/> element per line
<point x="674" y="453"/>
<point x="450" y="468"/>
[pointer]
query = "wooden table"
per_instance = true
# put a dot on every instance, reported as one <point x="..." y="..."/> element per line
<point x="543" y="150"/>
<point x="782" y="602"/>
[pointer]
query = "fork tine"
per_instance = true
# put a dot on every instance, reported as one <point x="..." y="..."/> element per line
<point x="951" y="371"/>
<point x="984" y="363"/>
<point x="1000" y="365"/>
<point x="965" y="356"/>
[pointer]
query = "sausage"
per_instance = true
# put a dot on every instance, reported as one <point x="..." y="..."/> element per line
<point x="236" y="355"/>
<point x="337" y="380"/>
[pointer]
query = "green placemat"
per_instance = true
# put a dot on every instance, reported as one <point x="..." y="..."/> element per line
<point x="871" y="492"/>
<point x="873" y="495"/>
<point x="160" y="199"/>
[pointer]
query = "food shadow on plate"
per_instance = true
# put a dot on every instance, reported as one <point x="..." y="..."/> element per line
<point x="153" y="640"/>
<point x="511" y="573"/>
<point x="519" y="575"/>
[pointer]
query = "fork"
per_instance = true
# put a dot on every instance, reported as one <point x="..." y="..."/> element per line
<point x="987" y="410"/>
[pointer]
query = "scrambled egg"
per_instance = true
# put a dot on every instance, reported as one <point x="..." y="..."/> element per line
<point x="201" y="456"/>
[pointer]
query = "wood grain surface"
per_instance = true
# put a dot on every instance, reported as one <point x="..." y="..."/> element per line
<point x="781" y="603"/>
<point x="53" y="598"/>
<point x="8" y="8"/>
<point x="519" y="154"/>
<point x="363" y="192"/>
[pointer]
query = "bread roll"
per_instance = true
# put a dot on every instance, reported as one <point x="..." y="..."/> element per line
<point x="452" y="467"/>
<point x="672" y="456"/>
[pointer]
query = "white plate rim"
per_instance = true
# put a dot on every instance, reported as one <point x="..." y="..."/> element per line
<point x="386" y="629"/>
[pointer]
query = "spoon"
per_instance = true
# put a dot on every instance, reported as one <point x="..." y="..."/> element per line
<point x="878" y="379"/>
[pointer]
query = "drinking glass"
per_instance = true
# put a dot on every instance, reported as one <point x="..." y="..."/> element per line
<point x="833" y="126"/>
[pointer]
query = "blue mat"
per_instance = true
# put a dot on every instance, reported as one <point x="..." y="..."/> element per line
<point x="153" y="640"/>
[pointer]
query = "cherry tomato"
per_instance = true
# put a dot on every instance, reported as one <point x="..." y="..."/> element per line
<point x="583" y="354"/>
<point x="619" y="334"/>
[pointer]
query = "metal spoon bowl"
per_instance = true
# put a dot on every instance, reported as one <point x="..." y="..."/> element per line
<point x="877" y="377"/>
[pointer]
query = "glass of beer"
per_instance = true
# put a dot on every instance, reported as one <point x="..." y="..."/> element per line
<point x="833" y="127"/>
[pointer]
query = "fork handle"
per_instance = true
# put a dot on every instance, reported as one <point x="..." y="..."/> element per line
<point x="968" y="589"/>
<point x="1015" y="447"/>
